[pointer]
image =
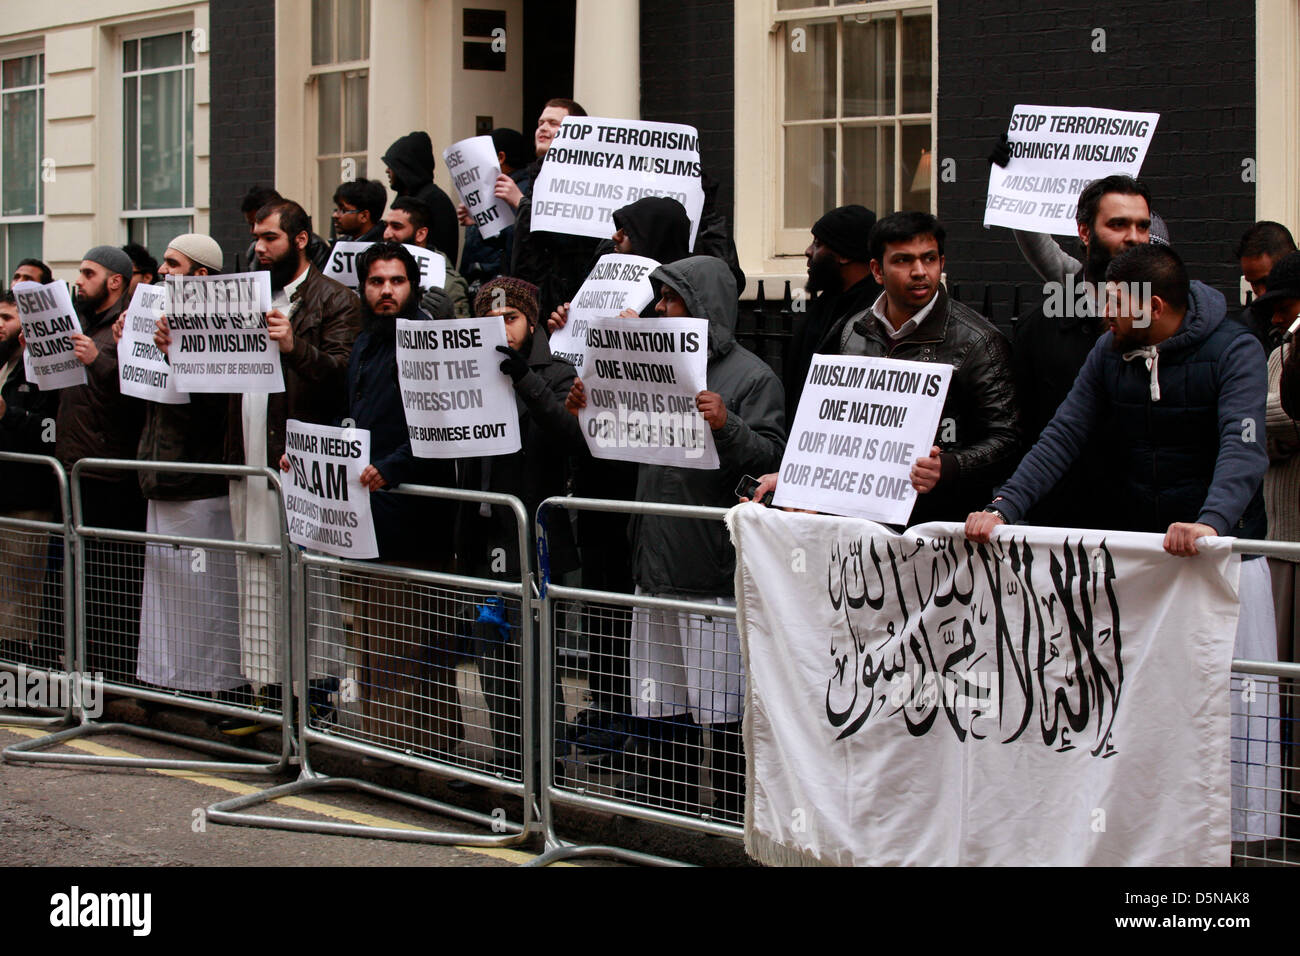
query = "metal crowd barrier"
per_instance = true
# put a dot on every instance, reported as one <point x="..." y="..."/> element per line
<point x="161" y="618"/>
<point x="36" y="609"/>
<point x="641" y="703"/>
<point x="434" y="671"/>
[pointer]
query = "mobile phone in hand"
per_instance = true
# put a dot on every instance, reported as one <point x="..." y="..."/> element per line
<point x="748" y="485"/>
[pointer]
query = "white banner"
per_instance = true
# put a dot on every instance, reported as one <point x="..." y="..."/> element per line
<point x="617" y="282"/>
<point x="1054" y="698"/>
<point x="861" y="425"/>
<point x="219" y="334"/>
<point x="1056" y="151"/>
<point x="474" y="170"/>
<point x="143" y="370"/>
<point x="597" y="165"/>
<point x="342" y="265"/>
<point x="458" y="402"/>
<point x="49" y="321"/>
<point x="642" y="376"/>
<point x="327" y="506"/>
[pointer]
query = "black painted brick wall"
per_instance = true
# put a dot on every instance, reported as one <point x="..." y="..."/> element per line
<point x="242" y="71"/>
<point x="687" y="76"/>
<point x="1192" y="61"/>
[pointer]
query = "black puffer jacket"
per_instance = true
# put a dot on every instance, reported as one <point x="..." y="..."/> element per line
<point x="411" y="160"/>
<point x="979" y="431"/>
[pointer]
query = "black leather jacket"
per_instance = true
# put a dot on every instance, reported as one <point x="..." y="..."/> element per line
<point x="979" y="431"/>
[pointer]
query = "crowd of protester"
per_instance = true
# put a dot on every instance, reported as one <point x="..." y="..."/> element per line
<point x="1120" y="413"/>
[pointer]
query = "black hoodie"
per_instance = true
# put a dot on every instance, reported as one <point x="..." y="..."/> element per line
<point x="411" y="160"/>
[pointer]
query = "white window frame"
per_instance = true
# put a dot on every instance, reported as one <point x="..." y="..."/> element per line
<point x="144" y="32"/>
<point x="320" y="217"/>
<point x="19" y="53"/>
<point x="768" y="250"/>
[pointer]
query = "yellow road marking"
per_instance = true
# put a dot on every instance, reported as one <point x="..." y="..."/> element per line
<point x="300" y="803"/>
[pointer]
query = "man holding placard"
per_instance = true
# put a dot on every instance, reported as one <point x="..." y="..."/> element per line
<point x="914" y="319"/>
<point x="97" y="421"/>
<point x="692" y="661"/>
<point x="313" y="323"/>
<point x="189" y="615"/>
<point x="408" y="222"/>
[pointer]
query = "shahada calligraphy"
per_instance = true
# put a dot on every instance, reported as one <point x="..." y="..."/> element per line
<point x="994" y="640"/>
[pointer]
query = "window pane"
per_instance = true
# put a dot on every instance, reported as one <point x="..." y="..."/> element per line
<point x="916" y="64"/>
<point x="162" y="230"/>
<point x="800" y="4"/>
<point x="869" y="168"/>
<point x="330" y="92"/>
<point x="810" y="71"/>
<point x="809" y="174"/>
<point x="161" y="51"/>
<point x="322" y="32"/>
<point x="40" y="145"/>
<point x="354" y="112"/>
<point x="869" y="67"/>
<point x="24" y="243"/>
<point x="354" y="30"/>
<point x="917" y="160"/>
<point x="129" y="64"/>
<point x="130" y="151"/>
<point x="20" y="171"/>
<point x="162" y="140"/>
<point x="22" y="71"/>
<point x="328" y="178"/>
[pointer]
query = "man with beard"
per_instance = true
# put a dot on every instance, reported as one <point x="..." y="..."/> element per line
<point x="393" y="622"/>
<point x="408" y="222"/>
<point x="1052" y="342"/>
<point x="189" y="622"/>
<point x="1176" y="384"/>
<point x="30" y="493"/>
<point x="1263" y="246"/>
<point x="839" y="275"/>
<point x="313" y="321"/>
<point x="97" y="421"/>
<point x="410" y="165"/>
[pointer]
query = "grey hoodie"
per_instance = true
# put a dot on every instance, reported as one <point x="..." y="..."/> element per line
<point x="676" y="556"/>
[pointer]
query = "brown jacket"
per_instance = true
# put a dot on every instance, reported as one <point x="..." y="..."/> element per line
<point x="325" y="322"/>
<point x="194" y="432"/>
<point x="96" y="420"/>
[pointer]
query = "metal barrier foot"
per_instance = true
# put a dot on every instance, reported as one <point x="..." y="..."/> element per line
<point x="250" y="761"/>
<point x="557" y="851"/>
<point x="30" y="720"/>
<point x="505" y="833"/>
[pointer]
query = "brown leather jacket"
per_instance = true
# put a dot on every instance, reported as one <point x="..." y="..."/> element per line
<point x="96" y="420"/>
<point x="325" y="322"/>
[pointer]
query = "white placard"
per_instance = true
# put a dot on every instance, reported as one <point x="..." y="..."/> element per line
<point x="327" y="506"/>
<point x="597" y="165"/>
<point x="642" y="376"/>
<point x="474" y="170"/>
<point x="861" y="425"/>
<point x="458" y="402"/>
<point x="142" y="370"/>
<point x="1053" y="698"/>
<point x="617" y="282"/>
<point x="49" y="321"/>
<point x="342" y="265"/>
<point x="219" y="334"/>
<point x="1056" y="151"/>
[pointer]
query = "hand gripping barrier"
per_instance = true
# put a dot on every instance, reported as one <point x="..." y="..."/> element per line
<point x="661" y="679"/>
<point x="36" y="615"/>
<point x="161" y="617"/>
<point x="418" y="667"/>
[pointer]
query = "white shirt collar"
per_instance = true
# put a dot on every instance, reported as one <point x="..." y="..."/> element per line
<point x="908" y="327"/>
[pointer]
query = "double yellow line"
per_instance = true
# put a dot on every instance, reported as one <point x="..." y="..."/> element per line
<point x="299" y="803"/>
